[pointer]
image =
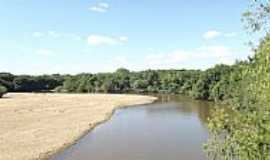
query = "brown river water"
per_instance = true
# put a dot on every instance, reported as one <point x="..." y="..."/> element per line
<point x="173" y="128"/>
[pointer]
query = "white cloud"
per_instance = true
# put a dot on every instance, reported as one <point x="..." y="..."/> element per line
<point x="100" y="7"/>
<point x="176" y="56"/>
<point x="104" y="5"/>
<point x="199" y="58"/>
<point x="45" y="52"/>
<point x="202" y="57"/>
<point x="38" y="34"/>
<point x="211" y="34"/>
<point x="123" y="39"/>
<point x="219" y="54"/>
<point x="54" y="34"/>
<point x="100" y="40"/>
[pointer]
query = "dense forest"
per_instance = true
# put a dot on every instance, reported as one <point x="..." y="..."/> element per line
<point x="242" y="134"/>
<point x="207" y="85"/>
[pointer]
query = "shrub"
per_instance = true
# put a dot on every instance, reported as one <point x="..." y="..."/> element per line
<point x="59" y="89"/>
<point x="3" y="90"/>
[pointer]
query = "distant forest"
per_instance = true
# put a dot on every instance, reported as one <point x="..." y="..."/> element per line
<point x="212" y="84"/>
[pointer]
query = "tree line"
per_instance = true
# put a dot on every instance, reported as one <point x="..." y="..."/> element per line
<point x="27" y="83"/>
<point x="206" y="85"/>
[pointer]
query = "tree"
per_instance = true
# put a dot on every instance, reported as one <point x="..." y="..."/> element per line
<point x="70" y="84"/>
<point x="24" y="84"/>
<point x="122" y="71"/>
<point x="6" y="80"/>
<point x="201" y="89"/>
<point x="244" y="134"/>
<point x="110" y="86"/>
<point x="140" y="84"/>
<point x="122" y="76"/>
<point x="258" y="16"/>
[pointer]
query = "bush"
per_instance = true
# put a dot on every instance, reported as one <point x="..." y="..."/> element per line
<point x="3" y="90"/>
<point x="59" y="89"/>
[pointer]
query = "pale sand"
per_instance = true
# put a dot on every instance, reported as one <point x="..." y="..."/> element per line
<point x="33" y="126"/>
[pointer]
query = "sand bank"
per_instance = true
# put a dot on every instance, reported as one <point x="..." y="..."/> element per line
<point x="33" y="126"/>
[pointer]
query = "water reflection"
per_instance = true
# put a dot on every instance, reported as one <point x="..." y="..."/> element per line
<point x="171" y="128"/>
<point x="184" y="105"/>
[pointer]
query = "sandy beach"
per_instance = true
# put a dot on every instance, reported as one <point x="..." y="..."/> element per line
<point x="33" y="126"/>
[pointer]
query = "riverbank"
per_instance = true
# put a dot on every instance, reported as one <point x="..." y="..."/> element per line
<point x="33" y="126"/>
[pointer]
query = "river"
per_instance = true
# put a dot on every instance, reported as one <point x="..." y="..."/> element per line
<point x="172" y="128"/>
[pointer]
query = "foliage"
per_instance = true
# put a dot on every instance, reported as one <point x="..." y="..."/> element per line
<point x="258" y="16"/>
<point x="196" y="83"/>
<point x="3" y="90"/>
<point x="6" y="80"/>
<point x="25" y="83"/>
<point x="121" y="81"/>
<point x="59" y="89"/>
<point x="245" y="134"/>
<point x="212" y="83"/>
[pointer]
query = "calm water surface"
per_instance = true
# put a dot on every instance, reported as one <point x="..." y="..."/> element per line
<point x="171" y="129"/>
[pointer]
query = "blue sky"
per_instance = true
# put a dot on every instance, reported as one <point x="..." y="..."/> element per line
<point x="74" y="36"/>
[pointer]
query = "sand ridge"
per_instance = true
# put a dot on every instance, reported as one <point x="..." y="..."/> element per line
<point x="33" y="126"/>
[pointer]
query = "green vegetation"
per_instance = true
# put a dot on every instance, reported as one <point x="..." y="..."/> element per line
<point x="26" y="83"/>
<point x="244" y="134"/>
<point x="206" y="85"/>
<point x="3" y="91"/>
<point x="121" y="81"/>
<point x="257" y="17"/>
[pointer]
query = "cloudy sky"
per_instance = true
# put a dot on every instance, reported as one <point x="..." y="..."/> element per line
<point x="60" y="36"/>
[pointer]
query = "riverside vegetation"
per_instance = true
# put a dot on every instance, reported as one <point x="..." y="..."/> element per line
<point x="205" y="85"/>
<point x="3" y="91"/>
<point x="244" y="134"/>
